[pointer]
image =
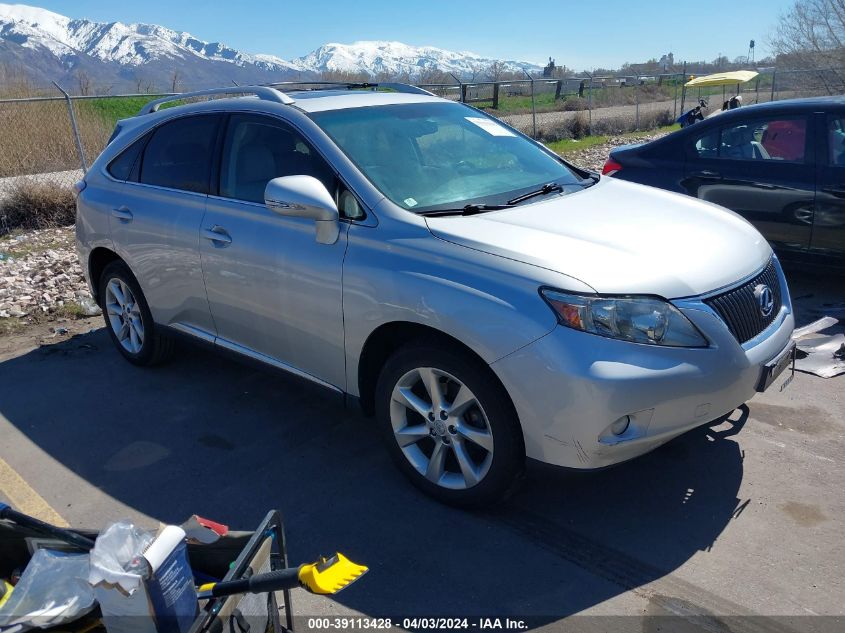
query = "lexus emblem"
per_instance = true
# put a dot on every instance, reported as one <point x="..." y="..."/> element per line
<point x="765" y="299"/>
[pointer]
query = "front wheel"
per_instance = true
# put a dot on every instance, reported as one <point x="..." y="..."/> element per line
<point x="449" y="425"/>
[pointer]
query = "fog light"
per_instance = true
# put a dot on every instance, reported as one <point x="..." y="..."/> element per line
<point x="621" y="425"/>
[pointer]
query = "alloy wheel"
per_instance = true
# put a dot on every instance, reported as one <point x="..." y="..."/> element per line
<point x="441" y="428"/>
<point x="124" y="315"/>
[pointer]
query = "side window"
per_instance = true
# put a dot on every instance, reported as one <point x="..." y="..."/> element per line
<point x="348" y="206"/>
<point x="257" y="149"/>
<point x="777" y="139"/>
<point x="179" y="154"/>
<point x="836" y="140"/>
<point x="707" y="146"/>
<point x="124" y="167"/>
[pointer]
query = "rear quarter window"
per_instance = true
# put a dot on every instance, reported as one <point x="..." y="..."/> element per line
<point x="124" y="167"/>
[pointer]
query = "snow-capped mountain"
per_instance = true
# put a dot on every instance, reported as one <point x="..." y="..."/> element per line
<point x="49" y="46"/>
<point x="125" y="44"/>
<point x="396" y="58"/>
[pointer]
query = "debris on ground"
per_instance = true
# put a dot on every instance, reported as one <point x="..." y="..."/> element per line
<point x="40" y="276"/>
<point x="820" y="354"/>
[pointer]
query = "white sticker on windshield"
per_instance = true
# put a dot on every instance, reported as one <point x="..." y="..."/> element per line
<point x="491" y="127"/>
<point x="410" y="202"/>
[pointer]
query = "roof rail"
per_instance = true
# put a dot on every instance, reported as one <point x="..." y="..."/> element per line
<point x="400" y="87"/>
<point x="265" y="93"/>
<point x="352" y="85"/>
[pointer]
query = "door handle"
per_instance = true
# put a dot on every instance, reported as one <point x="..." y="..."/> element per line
<point x="123" y="214"/>
<point x="218" y="235"/>
<point x="706" y="173"/>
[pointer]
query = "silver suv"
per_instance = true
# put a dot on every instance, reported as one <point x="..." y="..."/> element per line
<point x="487" y="301"/>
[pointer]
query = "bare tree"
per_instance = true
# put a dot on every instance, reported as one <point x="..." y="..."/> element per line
<point x="344" y="76"/>
<point x="474" y="73"/>
<point x="432" y="75"/>
<point x="812" y="35"/>
<point x="495" y="71"/>
<point x="83" y="79"/>
<point x="174" y="81"/>
<point x="143" y="85"/>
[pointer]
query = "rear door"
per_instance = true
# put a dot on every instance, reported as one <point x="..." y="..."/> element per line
<point x="762" y="168"/>
<point x="155" y="226"/>
<point x="829" y="221"/>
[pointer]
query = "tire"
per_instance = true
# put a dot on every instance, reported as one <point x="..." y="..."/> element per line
<point x="484" y="433"/>
<point x="131" y="325"/>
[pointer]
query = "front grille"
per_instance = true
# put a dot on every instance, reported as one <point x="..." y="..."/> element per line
<point x="740" y="309"/>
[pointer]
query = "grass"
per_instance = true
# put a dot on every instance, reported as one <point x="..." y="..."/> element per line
<point x="569" y="146"/>
<point x="70" y="310"/>
<point x="11" y="326"/>
<point x="112" y="110"/>
<point x="545" y="102"/>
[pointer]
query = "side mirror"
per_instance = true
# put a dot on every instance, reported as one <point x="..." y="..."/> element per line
<point x="305" y="197"/>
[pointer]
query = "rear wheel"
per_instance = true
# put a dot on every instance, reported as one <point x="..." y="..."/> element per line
<point x="128" y="318"/>
<point x="449" y="425"/>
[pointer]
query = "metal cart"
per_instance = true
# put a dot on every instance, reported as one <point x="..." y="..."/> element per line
<point x="234" y="556"/>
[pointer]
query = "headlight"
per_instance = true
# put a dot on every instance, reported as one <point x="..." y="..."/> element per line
<point x="636" y="319"/>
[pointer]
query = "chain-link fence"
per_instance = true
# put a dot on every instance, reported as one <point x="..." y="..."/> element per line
<point x="572" y="107"/>
<point x="51" y="138"/>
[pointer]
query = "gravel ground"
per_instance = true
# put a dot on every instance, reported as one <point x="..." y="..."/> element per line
<point x="594" y="157"/>
<point x="59" y="177"/>
<point x="40" y="277"/>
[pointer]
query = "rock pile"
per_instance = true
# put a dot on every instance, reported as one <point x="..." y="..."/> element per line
<point x="40" y="275"/>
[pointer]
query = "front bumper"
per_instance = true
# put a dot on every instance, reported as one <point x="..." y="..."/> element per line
<point x="569" y="387"/>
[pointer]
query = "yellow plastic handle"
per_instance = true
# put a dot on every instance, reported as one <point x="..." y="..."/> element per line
<point x="7" y="592"/>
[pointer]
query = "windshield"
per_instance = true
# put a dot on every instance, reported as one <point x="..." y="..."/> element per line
<point x="427" y="156"/>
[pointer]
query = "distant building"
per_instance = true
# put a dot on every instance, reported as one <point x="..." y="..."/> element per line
<point x="549" y="70"/>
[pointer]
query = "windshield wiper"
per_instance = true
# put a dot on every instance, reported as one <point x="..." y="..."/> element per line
<point x="546" y="189"/>
<point x="470" y="209"/>
<point x="473" y="209"/>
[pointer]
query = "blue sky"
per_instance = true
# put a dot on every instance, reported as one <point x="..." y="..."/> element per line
<point x="582" y="35"/>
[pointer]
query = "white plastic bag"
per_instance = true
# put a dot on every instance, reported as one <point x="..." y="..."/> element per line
<point x="53" y="590"/>
<point x="115" y="547"/>
<point x="123" y="599"/>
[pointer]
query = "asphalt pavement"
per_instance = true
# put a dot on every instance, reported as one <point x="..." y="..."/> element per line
<point x="726" y="523"/>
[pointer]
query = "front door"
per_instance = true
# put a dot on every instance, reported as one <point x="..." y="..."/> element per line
<point x="274" y="291"/>
<point x="763" y="169"/>
<point x="829" y="221"/>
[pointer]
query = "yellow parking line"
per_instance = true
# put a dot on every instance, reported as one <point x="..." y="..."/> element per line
<point x="24" y="499"/>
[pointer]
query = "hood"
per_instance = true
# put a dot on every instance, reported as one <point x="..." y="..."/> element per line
<point x="620" y="238"/>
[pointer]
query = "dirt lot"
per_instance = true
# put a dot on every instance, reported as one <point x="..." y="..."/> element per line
<point x="722" y="525"/>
